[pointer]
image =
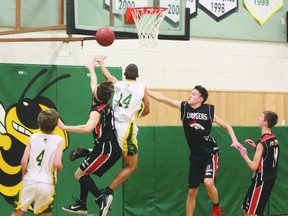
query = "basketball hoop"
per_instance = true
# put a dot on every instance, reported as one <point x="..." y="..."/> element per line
<point x="147" y="20"/>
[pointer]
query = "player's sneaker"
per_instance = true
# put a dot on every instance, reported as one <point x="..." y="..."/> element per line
<point x="216" y="211"/>
<point x="104" y="202"/>
<point x="79" y="207"/>
<point x="107" y="191"/>
<point x="79" y="152"/>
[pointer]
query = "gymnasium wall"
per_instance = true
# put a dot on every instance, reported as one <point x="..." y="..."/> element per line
<point x="238" y="108"/>
<point x="159" y="186"/>
<point x="215" y="63"/>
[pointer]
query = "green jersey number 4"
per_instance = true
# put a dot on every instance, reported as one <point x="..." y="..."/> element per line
<point x="39" y="158"/>
<point x="124" y="102"/>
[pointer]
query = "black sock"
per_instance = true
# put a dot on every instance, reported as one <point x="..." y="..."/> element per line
<point x="87" y="184"/>
<point x="109" y="190"/>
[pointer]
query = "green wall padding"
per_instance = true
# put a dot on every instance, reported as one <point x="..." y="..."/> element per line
<point x="163" y="179"/>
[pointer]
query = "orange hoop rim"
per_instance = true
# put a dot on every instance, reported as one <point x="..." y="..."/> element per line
<point x="141" y="10"/>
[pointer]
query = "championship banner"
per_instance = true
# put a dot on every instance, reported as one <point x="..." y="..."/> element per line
<point x="192" y="5"/>
<point x="218" y="9"/>
<point x="262" y="10"/>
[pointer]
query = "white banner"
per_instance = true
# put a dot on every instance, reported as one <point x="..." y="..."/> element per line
<point x="262" y="10"/>
<point x="192" y="5"/>
<point x="120" y="6"/>
<point x="218" y="8"/>
<point x="173" y="9"/>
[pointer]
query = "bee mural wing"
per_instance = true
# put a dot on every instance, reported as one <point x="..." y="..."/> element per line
<point x="2" y="118"/>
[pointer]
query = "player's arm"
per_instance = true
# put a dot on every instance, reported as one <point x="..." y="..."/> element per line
<point x="253" y="164"/>
<point x="105" y="71"/>
<point x="85" y="128"/>
<point x="145" y="100"/>
<point x="250" y="143"/>
<point x="229" y="130"/>
<point x="25" y="158"/>
<point x="58" y="156"/>
<point x="93" y="78"/>
<point x="161" y="98"/>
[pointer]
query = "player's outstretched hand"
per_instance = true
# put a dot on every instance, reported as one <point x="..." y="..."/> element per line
<point x="100" y="59"/>
<point x="243" y="151"/>
<point x="250" y="143"/>
<point x="90" y="65"/>
<point x="236" y="145"/>
<point x="61" y="124"/>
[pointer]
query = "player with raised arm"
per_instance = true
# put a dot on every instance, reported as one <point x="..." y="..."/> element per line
<point x="130" y="102"/>
<point x="106" y="151"/>
<point x="197" y="118"/>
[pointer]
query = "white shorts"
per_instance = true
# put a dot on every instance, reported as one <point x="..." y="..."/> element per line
<point x="41" y="194"/>
<point x="126" y="133"/>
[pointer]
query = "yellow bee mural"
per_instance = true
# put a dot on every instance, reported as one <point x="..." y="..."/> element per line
<point x="17" y="123"/>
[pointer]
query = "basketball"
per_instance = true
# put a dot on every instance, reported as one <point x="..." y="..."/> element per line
<point x="105" y="36"/>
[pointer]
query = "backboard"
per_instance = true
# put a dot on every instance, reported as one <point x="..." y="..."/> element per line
<point x="86" y="17"/>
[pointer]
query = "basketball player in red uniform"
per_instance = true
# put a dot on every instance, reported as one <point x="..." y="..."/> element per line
<point x="264" y="165"/>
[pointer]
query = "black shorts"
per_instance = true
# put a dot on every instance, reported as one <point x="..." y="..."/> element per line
<point x="102" y="158"/>
<point x="201" y="168"/>
<point x="257" y="196"/>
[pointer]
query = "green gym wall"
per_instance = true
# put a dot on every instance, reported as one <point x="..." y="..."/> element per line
<point x="159" y="185"/>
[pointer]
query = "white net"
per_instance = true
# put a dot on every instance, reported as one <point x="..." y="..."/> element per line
<point x="148" y="22"/>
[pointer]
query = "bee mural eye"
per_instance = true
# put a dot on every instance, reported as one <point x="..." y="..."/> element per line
<point x="27" y="112"/>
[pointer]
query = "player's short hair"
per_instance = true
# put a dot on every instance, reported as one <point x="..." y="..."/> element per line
<point x="48" y="120"/>
<point x="203" y="92"/>
<point x="131" y="72"/>
<point x="271" y="118"/>
<point x="104" y="91"/>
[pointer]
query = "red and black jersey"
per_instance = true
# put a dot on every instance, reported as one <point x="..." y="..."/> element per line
<point x="267" y="168"/>
<point x="105" y="129"/>
<point x="197" y="125"/>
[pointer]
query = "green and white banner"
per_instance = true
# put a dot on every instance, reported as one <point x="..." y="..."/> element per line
<point x="262" y="10"/>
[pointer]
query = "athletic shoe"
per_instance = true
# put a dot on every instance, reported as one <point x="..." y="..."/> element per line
<point x="79" y="207"/>
<point x="79" y="152"/>
<point x="216" y="211"/>
<point x="104" y="202"/>
<point x="107" y="191"/>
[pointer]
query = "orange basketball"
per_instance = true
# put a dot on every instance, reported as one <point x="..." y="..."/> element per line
<point x="105" y="36"/>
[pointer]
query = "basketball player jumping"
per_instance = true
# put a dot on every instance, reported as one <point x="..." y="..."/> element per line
<point x="130" y="102"/>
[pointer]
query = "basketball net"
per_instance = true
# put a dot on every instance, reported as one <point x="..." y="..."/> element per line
<point x="148" y="20"/>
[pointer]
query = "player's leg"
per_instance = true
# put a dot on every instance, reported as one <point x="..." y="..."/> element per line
<point x="26" y="198"/>
<point x="196" y="175"/>
<point x="209" y="177"/>
<point x="46" y="214"/>
<point x="191" y="201"/>
<point x="127" y="139"/>
<point x="89" y="165"/>
<point x="131" y="163"/>
<point x="257" y="196"/>
<point x="44" y="199"/>
<point x="18" y="212"/>
<point x="211" y="189"/>
<point x="79" y="206"/>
